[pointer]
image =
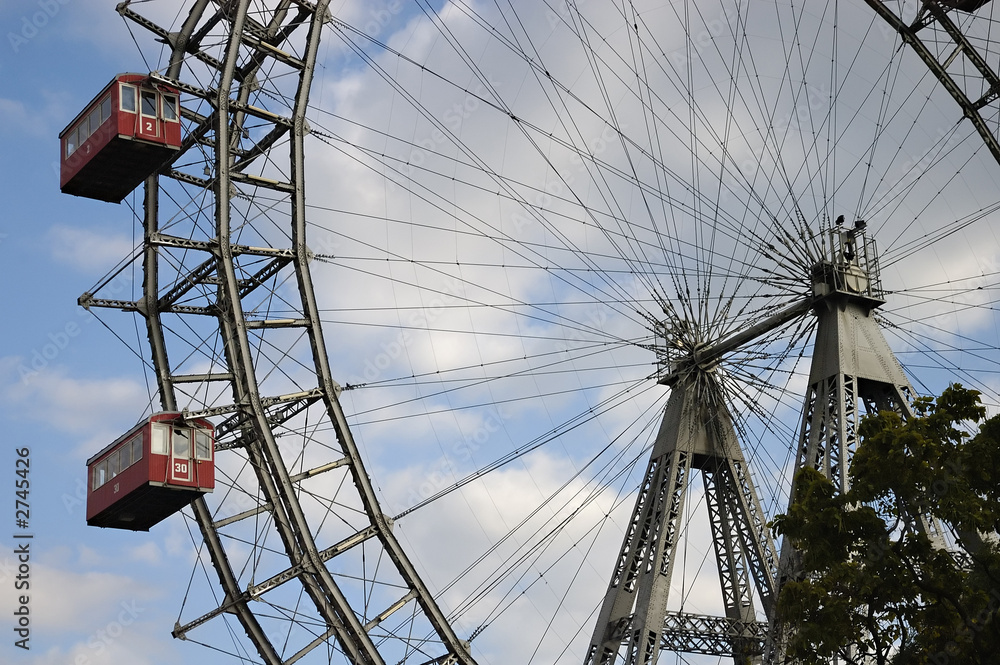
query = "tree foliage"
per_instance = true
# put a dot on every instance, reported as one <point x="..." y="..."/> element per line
<point x="869" y="575"/>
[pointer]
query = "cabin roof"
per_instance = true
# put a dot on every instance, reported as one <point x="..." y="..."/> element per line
<point x="126" y="77"/>
<point x="172" y="416"/>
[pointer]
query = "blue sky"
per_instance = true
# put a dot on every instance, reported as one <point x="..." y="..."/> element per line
<point x="68" y="386"/>
<point x="63" y="380"/>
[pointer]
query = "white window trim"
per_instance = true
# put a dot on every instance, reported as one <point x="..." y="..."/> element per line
<point x="177" y="107"/>
<point x="121" y="97"/>
<point x="211" y="444"/>
<point x="165" y="430"/>
<point x="157" y="103"/>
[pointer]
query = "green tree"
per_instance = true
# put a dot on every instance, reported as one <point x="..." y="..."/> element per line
<point x="870" y="582"/>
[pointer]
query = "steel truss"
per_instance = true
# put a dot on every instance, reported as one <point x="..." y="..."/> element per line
<point x="250" y="143"/>
<point x="696" y="434"/>
<point x="852" y="367"/>
<point x="853" y="371"/>
<point x="935" y="35"/>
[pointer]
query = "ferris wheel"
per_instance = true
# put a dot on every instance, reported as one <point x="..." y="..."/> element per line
<point x="437" y="366"/>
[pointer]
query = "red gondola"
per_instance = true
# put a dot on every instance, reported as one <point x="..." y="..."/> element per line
<point x="123" y="136"/>
<point x="150" y="472"/>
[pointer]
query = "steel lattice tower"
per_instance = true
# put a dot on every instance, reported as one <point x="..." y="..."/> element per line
<point x="852" y="364"/>
<point x="852" y="369"/>
<point x="696" y="434"/>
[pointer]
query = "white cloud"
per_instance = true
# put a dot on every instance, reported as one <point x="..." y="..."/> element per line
<point x="76" y="612"/>
<point x="148" y="553"/>
<point x="68" y="404"/>
<point x="563" y="581"/>
<point x="89" y="250"/>
<point x="19" y="118"/>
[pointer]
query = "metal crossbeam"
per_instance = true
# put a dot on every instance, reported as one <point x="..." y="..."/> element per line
<point x="910" y="34"/>
<point x="713" y="636"/>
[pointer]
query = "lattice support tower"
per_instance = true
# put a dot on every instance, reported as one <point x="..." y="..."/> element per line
<point x="696" y="434"/>
<point x="853" y="367"/>
<point x="853" y="372"/>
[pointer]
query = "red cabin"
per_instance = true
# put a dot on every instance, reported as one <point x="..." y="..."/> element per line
<point x="123" y="136"/>
<point x="150" y="472"/>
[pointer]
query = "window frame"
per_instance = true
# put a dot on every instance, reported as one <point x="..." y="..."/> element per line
<point x="92" y="117"/>
<point x="100" y="474"/>
<point x="156" y="103"/>
<point x="105" y="106"/>
<point x="159" y="434"/>
<point x="200" y="434"/>
<point x="123" y="88"/>
<point x="176" y="107"/>
<point x="136" y="445"/>
<point x="176" y="436"/>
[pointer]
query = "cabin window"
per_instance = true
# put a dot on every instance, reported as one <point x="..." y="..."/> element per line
<point x="202" y="444"/>
<point x="126" y="455"/>
<point x="170" y="108"/>
<point x="136" y="449"/>
<point x="100" y="474"/>
<point x="94" y="121"/>
<point x="113" y="466"/>
<point x="148" y="101"/>
<point x="127" y="95"/>
<point x="88" y="126"/>
<point x="182" y="442"/>
<point x="158" y="445"/>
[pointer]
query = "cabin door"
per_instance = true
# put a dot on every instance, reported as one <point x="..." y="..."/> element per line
<point x="180" y="454"/>
<point x="149" y="123"/>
